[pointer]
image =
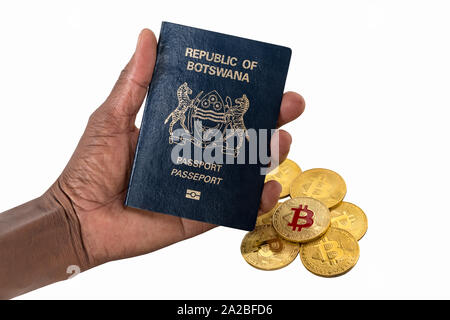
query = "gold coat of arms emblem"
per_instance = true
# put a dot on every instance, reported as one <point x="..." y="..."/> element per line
<point x="214" y="114"/>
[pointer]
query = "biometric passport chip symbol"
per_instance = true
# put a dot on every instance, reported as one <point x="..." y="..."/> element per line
<point x="193" y="194"/>
<point x="214" y="114"/>
<point x="308" y="218"/>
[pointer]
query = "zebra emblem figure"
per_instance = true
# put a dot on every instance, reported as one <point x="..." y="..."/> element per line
<point x="214" y="113"/>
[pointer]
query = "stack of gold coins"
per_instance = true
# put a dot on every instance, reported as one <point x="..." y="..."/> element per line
<point x="314" y="223"/>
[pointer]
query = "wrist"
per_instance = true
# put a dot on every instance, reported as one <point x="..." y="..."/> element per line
<point x="40" y="242"/>
<point x="69" y="221"/>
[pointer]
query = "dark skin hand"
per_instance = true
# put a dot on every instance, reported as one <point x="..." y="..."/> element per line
<point x="96" y="177"/>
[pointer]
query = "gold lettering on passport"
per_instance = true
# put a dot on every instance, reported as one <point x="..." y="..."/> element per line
<point x="199" y="164"/>
<point x="218" y="58"/>
<point x="195" y="176"/>
<point x="212" y="109"/>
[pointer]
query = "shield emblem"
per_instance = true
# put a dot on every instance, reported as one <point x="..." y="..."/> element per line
<point x="210" y="110"/>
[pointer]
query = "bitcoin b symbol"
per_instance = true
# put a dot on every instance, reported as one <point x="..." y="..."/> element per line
<point x="270" y="247"/>
<point x="308" y="218"/>
<point x="318" y="187"/>
<point x="329" y="251"/>
<point x="343" y="221"/>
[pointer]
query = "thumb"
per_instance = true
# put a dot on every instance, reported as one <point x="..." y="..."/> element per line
<point x="130" y="89"/>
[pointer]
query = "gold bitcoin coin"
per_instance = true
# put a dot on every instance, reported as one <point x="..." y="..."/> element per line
<point x="301" y="219"/>
<point x="349" y="217"/>
<point x="266" y="218"/>
<point x="262" y="248"/>
<point x="285" y="173"/>
<point x="321" y="184"/>
<point x="333" y="254"/>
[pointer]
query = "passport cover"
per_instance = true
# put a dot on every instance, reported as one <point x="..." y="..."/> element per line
<point x="226" y="82"/>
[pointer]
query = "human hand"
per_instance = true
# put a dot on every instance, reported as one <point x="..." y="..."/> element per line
<point x="95" y="180"/>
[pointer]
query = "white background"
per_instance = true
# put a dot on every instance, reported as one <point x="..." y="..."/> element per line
<point x="375" y="76"/>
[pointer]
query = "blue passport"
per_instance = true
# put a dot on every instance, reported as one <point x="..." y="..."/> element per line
<point x="211" y="108"/>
